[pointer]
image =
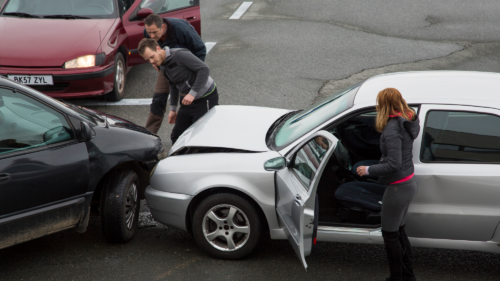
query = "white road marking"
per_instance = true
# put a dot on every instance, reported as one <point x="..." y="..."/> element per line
<point x="209" y="46"/>
<point x="241" y="10"/>
<point x="109" y="103"/>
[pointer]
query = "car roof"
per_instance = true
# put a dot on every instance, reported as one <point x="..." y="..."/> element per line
<point x="436" y="87"/>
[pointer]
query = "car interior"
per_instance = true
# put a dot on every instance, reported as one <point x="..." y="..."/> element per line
<point x="358" y="140"/>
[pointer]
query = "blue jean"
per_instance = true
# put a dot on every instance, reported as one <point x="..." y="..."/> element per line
<point x="364" y="195"/>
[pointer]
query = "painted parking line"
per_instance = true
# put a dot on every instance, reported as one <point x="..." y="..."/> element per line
<point x="241" y="10"/>
<point x="108" y="103"/>
<point x="209" y="46"/>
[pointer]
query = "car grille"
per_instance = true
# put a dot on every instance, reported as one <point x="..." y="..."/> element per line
<point x="50" y="88"/>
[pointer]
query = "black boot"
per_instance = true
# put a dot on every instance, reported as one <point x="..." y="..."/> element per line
<point x="394" y="255"/>
<point x="408" y="274"/>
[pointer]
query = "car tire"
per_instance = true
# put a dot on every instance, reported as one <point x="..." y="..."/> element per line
<point x="120" y="78"/>
<point x="212" y="235"/>
<point x="120" y="206"/>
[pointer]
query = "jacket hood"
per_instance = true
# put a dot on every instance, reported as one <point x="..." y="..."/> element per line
<point x="412" y="127"/>
<point x="49" y="42"/>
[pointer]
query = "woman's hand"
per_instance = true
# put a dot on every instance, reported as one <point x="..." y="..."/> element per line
<point x="361" y="170"/>
<point x="188" y="99"/>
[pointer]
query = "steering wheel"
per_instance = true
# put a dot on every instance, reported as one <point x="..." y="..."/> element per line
<point x="97" y="5"/>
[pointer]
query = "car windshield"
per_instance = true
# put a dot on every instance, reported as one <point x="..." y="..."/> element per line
<point x="64" y="9"/>
<point x="315" y="115"/>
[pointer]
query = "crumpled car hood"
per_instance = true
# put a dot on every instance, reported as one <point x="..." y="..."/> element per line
<point x="231" y="126"/>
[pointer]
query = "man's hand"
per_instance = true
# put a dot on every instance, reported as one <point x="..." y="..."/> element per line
<point x="172" y="116"/>
<point x="361" y="170"/>
<point x="156" y="67"/>
<point x="188" y="99"/>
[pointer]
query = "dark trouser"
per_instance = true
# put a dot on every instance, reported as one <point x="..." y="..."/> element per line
<point x="364" y="195"/>
<point x="397" y="198"/>
<point x="188" y="114"/>
<point x="158" y="105"/>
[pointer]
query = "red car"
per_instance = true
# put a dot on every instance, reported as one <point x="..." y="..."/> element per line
<point x="79" y="48"/>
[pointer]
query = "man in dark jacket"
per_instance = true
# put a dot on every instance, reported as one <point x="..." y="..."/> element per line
<point x="189" y="81"/>
<point x="172" y="33"/>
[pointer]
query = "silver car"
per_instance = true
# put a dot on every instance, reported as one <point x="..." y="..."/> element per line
<point x="242" y="171"/>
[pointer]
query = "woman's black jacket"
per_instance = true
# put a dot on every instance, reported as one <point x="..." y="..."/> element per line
<point x="396" y="145"/>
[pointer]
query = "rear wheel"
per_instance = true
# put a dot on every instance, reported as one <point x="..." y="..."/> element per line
<point x="120" y="75"/>
<point x="120" y="206"/>
<point x="226" y="226"/>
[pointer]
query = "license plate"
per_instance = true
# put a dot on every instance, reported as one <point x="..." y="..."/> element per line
<point x="32" y="79"/>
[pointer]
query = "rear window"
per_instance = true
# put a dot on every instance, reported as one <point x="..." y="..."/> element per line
<point x="459" y="136"/>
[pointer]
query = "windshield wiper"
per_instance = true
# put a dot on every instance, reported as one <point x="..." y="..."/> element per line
<point x="22" y="15"/>
<point x="85" y="111"/>
<point x="64" y="17"/>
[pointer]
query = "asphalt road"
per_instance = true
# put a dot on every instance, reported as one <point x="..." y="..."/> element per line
<point x="286" y="54"/>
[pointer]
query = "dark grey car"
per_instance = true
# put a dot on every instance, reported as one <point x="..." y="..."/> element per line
<point x="58" y="162"/>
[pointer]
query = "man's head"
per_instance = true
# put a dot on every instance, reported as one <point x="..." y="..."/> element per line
<point x="155" y="26"/>
<point x="151" y="51"/>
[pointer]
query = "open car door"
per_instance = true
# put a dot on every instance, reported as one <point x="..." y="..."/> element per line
<point x="297" y="205"/>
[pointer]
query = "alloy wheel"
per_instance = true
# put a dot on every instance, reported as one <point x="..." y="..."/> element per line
<point x="131" y="206"/>
<point x="120" y="76"/>
<point x="226" y="227"/>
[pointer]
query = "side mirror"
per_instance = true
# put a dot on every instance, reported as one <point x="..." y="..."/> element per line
<point x="86" y="131"/>
<point x="144" y="12"/>
<point x="275" y="164"/>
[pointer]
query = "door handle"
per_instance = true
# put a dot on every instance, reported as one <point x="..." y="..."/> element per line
<point x="191" y="18"/>
<point x="4" y="178"/>
<point x="297" y="200"/>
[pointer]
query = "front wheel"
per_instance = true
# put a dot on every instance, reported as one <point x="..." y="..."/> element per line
<point x="120" y="75"/>
<point x="120" y="206"/>
<point x="226" y="226"/>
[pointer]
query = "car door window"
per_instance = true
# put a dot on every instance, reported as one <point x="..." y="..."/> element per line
<point x="308" y="159"/>
<point x="458" y="136"/>
<point x="163" y="6"/>
<point x="26" y="123"/>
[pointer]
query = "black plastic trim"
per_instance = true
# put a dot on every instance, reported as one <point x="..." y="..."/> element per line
<point x="84" y="76"/>
<point x="43" y="210"/>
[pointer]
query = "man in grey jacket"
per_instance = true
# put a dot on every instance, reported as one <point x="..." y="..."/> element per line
<point x="174" y="33"/>
<point x="189" y="79"/>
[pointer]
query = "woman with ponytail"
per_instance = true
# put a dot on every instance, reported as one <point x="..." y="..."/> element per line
<point x="399" y="126"/>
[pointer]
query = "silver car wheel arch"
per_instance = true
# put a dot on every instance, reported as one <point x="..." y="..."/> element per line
<point x="226" y="228"/>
